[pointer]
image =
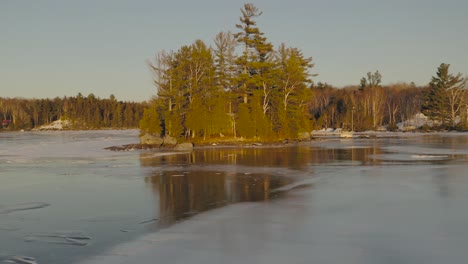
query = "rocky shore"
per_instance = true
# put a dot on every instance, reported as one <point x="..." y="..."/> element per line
<point x="168" y="143"/>
<point x="179" y="147"/>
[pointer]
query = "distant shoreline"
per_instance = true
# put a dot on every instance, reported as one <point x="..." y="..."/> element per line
<point x="314" y="134"/>
<point x="250" y="143"/>
<point x="64" y="130"/>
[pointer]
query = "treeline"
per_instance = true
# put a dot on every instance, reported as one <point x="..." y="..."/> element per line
<point x="369" y="106"/>
<point x="244" y="87"/>
<point x="88" y="112"/>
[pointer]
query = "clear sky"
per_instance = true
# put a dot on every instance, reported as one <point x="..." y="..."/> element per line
<point x="52" y="48"/>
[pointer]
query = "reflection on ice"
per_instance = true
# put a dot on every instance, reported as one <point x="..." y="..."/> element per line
<point x="183" y="195"/>
<point x="409" y="157"/>
<point x="426" y="150"/>
<point x="430" y="157"/>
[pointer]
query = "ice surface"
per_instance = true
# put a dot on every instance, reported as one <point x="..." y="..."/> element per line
<point x="329" y="201"/>
<point x="427" y="150"/>
<point x="64" y="237"/>
<point x="64" y="144"/>
<point x="388" y="214"/>
<point x="5" y="209"/>
<point x="72" y="172"/>
<point x="409" y="157"/>
<point x="21" y="260"/>
<point x="346" y="207"/>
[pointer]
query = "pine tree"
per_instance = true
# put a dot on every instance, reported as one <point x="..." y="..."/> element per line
<point x="255" y="61"/>
<point x="293" y="79"/>
<point x="255" y="80"/>
<point x="444" y="98"/>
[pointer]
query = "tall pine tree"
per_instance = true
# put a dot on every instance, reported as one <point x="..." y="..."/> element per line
<point x="444" y="98"/>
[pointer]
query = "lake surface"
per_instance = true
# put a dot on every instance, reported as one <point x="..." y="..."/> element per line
<point x="65" y="199"/>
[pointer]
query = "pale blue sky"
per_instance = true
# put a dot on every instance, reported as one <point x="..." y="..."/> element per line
<point x="55" y="48"/>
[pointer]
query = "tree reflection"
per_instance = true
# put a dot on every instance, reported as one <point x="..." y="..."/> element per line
<point x="184" y="194"/>
<point x="189" y="183"/>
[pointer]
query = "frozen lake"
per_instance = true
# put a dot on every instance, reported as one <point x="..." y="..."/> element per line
<point x="65" y="199"/>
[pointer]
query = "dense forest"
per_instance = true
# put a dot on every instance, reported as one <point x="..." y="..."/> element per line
<point x="88" y="112"/>
<point x="366" y="107"/>
<point x="243" y="86"/>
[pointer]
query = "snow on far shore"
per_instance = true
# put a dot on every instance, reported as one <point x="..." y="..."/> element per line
<point x="410" y="125"/>
<point x="56" y="125"/>
<point x="418" y="120"/>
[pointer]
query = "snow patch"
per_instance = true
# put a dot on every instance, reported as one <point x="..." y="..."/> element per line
<point x="56" y="125"/>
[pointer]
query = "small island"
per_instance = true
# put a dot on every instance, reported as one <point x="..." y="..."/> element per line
<point x="244" y="89"/>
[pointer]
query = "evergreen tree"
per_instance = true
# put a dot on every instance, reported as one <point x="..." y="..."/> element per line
<point x="444" y="98"/>
<point x="151" y="120"/>
<point x="257" y="72"/>
<point x="255" y="61"/>
<point x="293" y="79"/>
<point x="245" y="124"/>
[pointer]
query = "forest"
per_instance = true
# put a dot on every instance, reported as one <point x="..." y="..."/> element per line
<point x="244" y="87"/>
<point x="88" y="112"/>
